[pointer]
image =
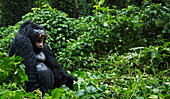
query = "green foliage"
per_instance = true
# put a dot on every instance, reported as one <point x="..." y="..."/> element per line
<point x="11" y="71"/>
<point x="12" y="76"/>
<point x="114" y="54"/>
<point x="122" y="28"/>
<point x="74" y="8"/>
<point x="6" y="37"/>
<point x="9" y="16"/>
<point x="155" y="58"/>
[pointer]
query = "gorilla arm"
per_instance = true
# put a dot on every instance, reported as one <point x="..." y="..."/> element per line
<point x="60" y="76"/>
<point x="22" y="46"/>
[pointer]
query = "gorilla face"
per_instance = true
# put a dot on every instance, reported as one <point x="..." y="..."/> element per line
<point x="40" y="36"/>
<point x="36" y="34"/>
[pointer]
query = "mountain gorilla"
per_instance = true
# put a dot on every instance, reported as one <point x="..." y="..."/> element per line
<point x="43" y="70"/>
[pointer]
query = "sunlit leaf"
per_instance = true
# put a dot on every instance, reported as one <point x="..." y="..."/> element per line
<point x="101" y="2"/>
<point x="80" y="92"/>
<point x="91" y="89"/>
<point x="153" y="96"/>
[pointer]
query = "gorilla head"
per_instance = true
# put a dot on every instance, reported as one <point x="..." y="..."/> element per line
<point x="36" y="33"/>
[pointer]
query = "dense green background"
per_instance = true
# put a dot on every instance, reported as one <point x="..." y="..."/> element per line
<point x="118" y="49"/>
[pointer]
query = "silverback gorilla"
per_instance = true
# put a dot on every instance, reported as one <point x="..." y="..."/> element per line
<point x="43" y="70"/>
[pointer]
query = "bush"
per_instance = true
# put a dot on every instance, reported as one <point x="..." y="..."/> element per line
<point x="80" y="42"/>
<point x="9" y="16"/>
<point x="12" y="76"/>
<point x="115" y="53"/>
<point x="74" y="8"/>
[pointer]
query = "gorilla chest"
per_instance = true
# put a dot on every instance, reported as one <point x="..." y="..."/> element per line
<point x="40" y="58"/>
<point x="45" y="74"/>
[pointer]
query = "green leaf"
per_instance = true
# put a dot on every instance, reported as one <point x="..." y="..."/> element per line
<point x="19" y="94"/>
<point x="59" y="29"/>
<point x="80" y="92"/>
<point x="134" y="85"/>
<point x="139" y="73"/>
<point x="91" y="89"/>
<point x="57" y="93"/>
<point x="30" y="95"/>
<point x="101" y="2"/>
<point x="6" y="94"/>
<point x="156" y="90"/>
<point x="3" y="91"/>
<point x="153" y="96"/>
<point x="139" y="98"/>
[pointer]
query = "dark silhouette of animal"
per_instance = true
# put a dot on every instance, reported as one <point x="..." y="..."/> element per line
<point x="43" y="70"/>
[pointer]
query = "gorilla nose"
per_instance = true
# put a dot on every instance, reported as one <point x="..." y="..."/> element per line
<point x="42" y="34"/>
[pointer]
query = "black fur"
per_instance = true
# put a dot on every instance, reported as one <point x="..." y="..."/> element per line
<point x="24" y="45"/>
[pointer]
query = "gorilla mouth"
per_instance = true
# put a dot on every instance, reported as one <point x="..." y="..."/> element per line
<point x="40" y="40"/>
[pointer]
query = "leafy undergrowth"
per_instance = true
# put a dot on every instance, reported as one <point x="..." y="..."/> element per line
<point x="120" y="79"/>
<point x="102" y="51"/>
<point x="109" y="84"/>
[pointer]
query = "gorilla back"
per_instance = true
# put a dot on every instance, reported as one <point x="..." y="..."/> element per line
<point x="42" y="68"/>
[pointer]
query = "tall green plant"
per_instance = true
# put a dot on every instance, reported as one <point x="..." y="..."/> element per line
<point x="74" y="8"/>
<point x="12" y="11"/>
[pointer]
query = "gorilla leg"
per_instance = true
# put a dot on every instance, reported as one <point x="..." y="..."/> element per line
<point x="46" y="76"/>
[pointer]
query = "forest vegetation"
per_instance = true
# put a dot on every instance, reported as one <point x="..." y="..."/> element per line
<point x="118" y="49"/>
